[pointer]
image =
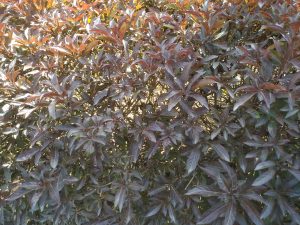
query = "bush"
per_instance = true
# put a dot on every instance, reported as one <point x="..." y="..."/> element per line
<point x="149" y="112"/>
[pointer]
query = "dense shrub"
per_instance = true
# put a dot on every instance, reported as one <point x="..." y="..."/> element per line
<point x="149" y="112"/>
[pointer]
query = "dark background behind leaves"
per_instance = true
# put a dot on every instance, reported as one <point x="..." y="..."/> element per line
<point x="149" y="112"/>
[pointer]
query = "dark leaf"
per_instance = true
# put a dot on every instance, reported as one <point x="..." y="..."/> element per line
<point x="26" y="155"/>
<point x="192" y="161"/>
<point x="17" y="194"/>
<point x="251" y="212"/>
<point x="242" y="100"/>
<point x="295" y="173"/>
<point x="153" y="211"/>
<point x="264" y="178"/>
<point x="212" y="214"/>
<point x="264" y="165"/>
<point x="222" y="152"/>
<point x="230" y="214"/>
<point x="203" y="191"/>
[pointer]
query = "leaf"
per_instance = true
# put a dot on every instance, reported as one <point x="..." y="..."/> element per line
<point x="272" y="129"/>
<point x="100" y="95"/>
<point x="212" y="214"/>
<point x="54" y="193"/>
<point x="54" y="159"/>
<point x="26" y="155"/>
<point x="52" y="110"/>
<point x="30" y="185"/>
<point x="295" y="173"/>
<point x="120" y="198"/>
<point x="200" y="99"/>
<point x="135" y="150"/>
<point x="242" y="100"/>
<point x="215" y="133"/>
<point x="171" y="214"/>
<point x="264" y="178"/>
<point x="61" y="50"/>
<point x="186" y="71"/>
<point x="71" y="180"/>
<point x="34" y="199"/>
<point x="157" y="190"/>
<point x="150" y="135"/>
<point x="129" y="214"/>
<point x="267" y="210"/>
<point x="230" y="214"/>
<point x="203" y="190"/>
<point x="219" y="35"/>
<point x="155" y="127"/>
<point x="192" y="161"/>
<point x="291" y="210"/>
<point x="209" y="58"/>
<point x="153" y="211"/>
<point x="174" y="101"/>
<point x="229" y="171"/>
<point x="20" y="192"/>
<point x="251" y="211"/>
<point x="203" y="83"/>
<point x="222" y="152"/>
<point x="264" y="165"/>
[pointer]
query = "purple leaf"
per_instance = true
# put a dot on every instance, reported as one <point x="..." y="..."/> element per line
<point x="203" y="191"/>
<point x="200" y="99"/>
<point x="222" y="152"/>
<point x="192" y="161"/>
<point x="212" y="214"/>
<point x="264" y="178"/>
<point x="230" y="214"/>
<point x="153" y="211"/>
<point x="26" y="155"/>
<point x="242" y="100"/>
<point x="251" y="211"/>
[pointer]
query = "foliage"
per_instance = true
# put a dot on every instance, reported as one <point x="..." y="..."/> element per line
<point x="149" y="112"/>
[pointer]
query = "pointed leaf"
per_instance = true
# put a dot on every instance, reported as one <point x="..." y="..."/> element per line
<point x="192" y="161"/>
<point x="230" y="214"/>
<point x="135" y="150"/>
<point x="34" y="199"/>
<point x="264" y="178"/>
<point x="222" y="152"/>
<point x="295" y="173"/>
<point x="26" y="155"/>
<point x="212" y="214"/>
<point x="174" y="101"/>
<point x="264" y="165"/>
<point x="200" y="99"/>
<point x="100" y="95"/>
<point x="153" y="211"/>
<point x="251" y="212"/>
<point x="203" y="191"/>
<point x="17" y="194"/>
<point x="52" y="110"/>
<point x="242" y="100"/>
